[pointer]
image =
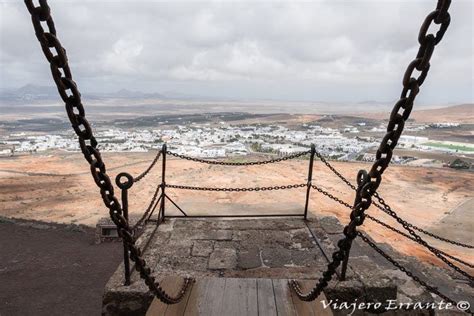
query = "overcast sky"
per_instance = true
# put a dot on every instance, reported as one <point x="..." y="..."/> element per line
<point x="319" y="51"/>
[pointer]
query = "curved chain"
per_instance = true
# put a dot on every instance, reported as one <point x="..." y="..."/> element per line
<point x="430" y="288"/>
<point x="139" y="223"/>
<point x="253" y="189"/>
<point x="377" y="195"/>
<point x="144" y="173"/>
<point x="415" y="240"/>
<point x="438" y="237"/>
<point x="337" y="173"/>
<point x="329" y="195"/>
<point x="69" y="93"/>
<point x="438" y="253"/>
<point x="368" y="182"/>
<point x="420" y="241"/>
<point x="250" y="163"/>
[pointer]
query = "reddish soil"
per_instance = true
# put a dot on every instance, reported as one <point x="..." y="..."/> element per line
<point x="59" y="188"/>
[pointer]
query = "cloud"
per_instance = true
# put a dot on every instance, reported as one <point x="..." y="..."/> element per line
<point x="320" y="50"/>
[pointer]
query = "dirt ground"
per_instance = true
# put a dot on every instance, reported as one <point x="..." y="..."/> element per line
<point x="58" y="188"/>
<point x="53" y="269"/>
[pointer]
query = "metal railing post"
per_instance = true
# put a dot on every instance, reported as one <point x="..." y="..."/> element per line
<point x="161" y="214"/>
<point x="342" y="277"/>
<point x="310" y="178"/>
<point x="125" y="181"/>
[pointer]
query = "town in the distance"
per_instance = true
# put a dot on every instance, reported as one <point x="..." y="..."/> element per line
<point x="239" y="134"/>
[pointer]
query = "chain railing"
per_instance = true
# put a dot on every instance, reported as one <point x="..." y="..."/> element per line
<point x="380" y="207"/>
<point x="147" y="170"/>
<point x="243" y="163"/>
<point x="414" y="277"/>
<point x="251" y="189"/>
<point x="380" y="222"/>
<point x="69" y="93"/>
<point x="368" y="182"/>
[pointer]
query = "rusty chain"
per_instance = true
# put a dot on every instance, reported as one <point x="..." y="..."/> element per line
<point x="422" y="242"/>
<point x="250" y="163"/>
<point x="436" y="236"/>
<point x="252" y="189"/>
<point x="430" y="288"/>
<point x="414" y="239"/>
<point x="438" y="253"/>
<point x="144" y="173"/>
<point x="69" y="93"/>
<point x="368" y="182"/>
<point x="380" y="207"/>
<point x="337" y="173"/>
<point x="142" y="219"/>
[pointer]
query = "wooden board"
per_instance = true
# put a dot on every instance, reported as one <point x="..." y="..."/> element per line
<point x="171" y="285"/>
<point x="238" y="297"/>
<point x="283" y="299"/>
<point x="314" y="308"/>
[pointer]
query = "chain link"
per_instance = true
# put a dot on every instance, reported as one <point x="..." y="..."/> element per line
<point x="388" y="210"/>
<point x="337" y="173"/>
<point x="138" y="225"/>
<point x="253" y="189"/>
<point x="250" y="163"/>
<point x="415" y="240"/>
<point x="67" y="88"/>
<point x="430" y="288"/>
<point x="368" y="182"/>
<point x="419" y="240"/>
<point x="377" y="195"/>
<point x="438" y="253"/>
<point x="144" y="173"/>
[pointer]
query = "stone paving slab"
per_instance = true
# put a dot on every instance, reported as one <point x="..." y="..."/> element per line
<point x="270" y="248"/>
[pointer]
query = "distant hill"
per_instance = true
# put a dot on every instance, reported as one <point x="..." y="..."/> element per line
<point x="461" y="113"/>
<point x="31" y="92"/>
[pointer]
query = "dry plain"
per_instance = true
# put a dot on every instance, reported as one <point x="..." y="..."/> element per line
<point x="57" y="187"/>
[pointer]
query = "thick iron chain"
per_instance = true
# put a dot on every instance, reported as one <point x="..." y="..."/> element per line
<point x="430" y="288"/>
<point x="368" y="182"/>
<point x="67" y="88"/>
<point x="253" y="189"/>
<point x="250" y="163"/>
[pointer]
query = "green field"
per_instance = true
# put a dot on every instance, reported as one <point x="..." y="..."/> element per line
<point x="451" y="146"/>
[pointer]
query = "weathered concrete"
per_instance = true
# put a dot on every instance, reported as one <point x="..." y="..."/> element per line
<point x="282" y="248"/>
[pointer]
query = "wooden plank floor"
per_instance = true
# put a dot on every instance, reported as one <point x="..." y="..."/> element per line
<point x="238" y="297"/>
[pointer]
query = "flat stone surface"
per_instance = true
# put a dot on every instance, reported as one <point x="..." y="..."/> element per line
<point x="202" y="248"/>
<point x="225" y="258"/>
<point x="249" y="259"/>
<point x="272" y="248"/>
